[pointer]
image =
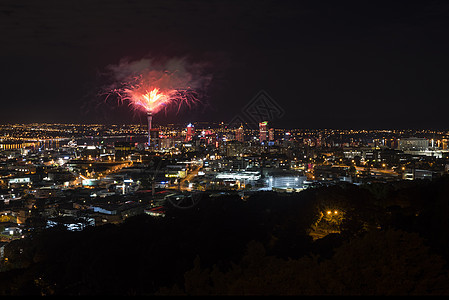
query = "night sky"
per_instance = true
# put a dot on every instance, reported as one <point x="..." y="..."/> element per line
<point x="327" y="64"/>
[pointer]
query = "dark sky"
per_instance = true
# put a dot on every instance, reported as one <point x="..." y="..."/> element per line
<point x="326" y="64"/>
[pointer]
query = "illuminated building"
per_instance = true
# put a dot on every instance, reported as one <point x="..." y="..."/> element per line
<point x="190" y="132"/>
<point x="412" y="174"/>
<point x="263" y="131"/>
<point x="271" y="134"/>
<point x="167" y="143"/>
<point x="285" y="182"/>
<point x="239" y="134"/>
<point x="154" y="136"/>
<point x="242" y="176"/>
<point x="123" y="149"/>
<point x="234" y="148"/>
<point x="71" y="223"/>
<point x="413" y="143"/>
<point x="176" y="171"/>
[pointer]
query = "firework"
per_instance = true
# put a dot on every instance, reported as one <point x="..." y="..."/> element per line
<point x="154" y="100"/>
<point x="151" y="88"/>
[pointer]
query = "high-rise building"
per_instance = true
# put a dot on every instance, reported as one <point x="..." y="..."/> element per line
<point x="123" y="149"/>
<point x="239" y="134"/>
<point x="190" y="132"/>
<point x="271" y="134"/>
<point x="167" y="142"/>
<point x="154" y="137"/>
<point x="263" y="131"/>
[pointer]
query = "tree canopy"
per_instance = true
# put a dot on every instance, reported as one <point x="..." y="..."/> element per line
<point x="389" y="240"/>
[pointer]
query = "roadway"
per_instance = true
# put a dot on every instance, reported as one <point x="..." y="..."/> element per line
<point x="189" y="177"/>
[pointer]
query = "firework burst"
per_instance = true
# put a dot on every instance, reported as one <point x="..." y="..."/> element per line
<point x="151" y="87"/>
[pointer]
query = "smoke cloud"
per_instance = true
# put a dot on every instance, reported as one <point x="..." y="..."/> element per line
<point x="185" y="81"/>
<point x="166" y="74"/>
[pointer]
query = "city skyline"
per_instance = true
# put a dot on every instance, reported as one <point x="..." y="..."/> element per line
<point x="324" y="64"/>
<point x="69" y="192"/>
<point x="200" y="147"/>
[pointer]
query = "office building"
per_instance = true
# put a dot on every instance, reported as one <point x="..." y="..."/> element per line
<point x="263" y="131"/>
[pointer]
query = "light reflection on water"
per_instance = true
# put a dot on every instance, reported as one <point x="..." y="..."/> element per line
<point x="97" y="141"/>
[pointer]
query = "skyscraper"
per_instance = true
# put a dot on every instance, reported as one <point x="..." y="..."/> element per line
<point x="154" y="136"/>
<point x="263" y="131"/>
<point x="271" y="134"/>
<point x="190" y="132"/>
<point x="239" y="134"/>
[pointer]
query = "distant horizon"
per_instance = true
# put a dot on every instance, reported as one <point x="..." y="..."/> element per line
<point x="218" y="123"/>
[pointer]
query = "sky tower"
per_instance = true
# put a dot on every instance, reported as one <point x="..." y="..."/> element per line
<point x="150" y="118"/>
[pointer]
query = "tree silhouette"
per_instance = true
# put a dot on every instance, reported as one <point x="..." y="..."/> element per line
<point x="388" y="262"/>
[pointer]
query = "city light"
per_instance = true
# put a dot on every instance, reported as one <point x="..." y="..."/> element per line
<point x="224" y="148"/>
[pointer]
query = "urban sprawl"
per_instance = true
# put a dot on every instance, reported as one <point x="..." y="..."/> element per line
<point x="88" y="175"/>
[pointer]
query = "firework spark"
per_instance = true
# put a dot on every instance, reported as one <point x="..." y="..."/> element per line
<point x="151" y="87"/>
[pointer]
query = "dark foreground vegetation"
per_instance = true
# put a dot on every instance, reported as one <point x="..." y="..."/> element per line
<point x="376" y="239"/>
